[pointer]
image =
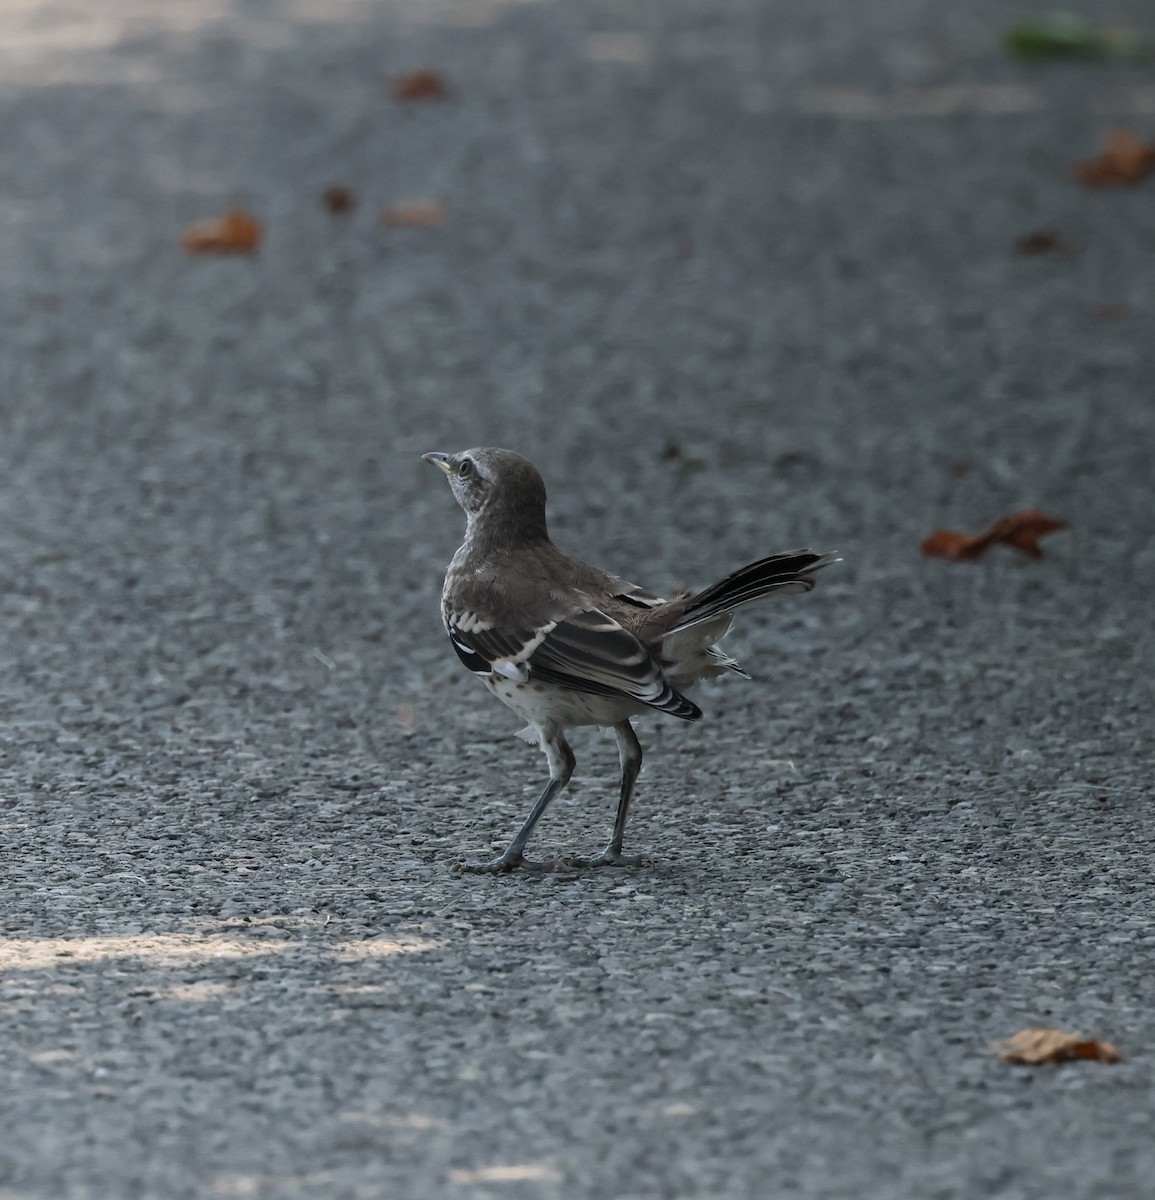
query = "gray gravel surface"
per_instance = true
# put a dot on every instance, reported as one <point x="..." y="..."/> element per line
<point x="739" y="276"/>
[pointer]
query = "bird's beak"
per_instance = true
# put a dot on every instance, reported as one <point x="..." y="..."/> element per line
<point x="438" y="460"/>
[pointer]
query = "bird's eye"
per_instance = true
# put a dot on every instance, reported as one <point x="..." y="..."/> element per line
<point x="465" y="468"/>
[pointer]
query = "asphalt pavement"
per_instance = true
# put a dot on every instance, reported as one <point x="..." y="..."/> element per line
<point x="739" y="277"/>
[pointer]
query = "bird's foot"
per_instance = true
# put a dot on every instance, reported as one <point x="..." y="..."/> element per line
<point x="513" y="862"/>
<point x="609" y="858"/>
<point x="494" y="866"/>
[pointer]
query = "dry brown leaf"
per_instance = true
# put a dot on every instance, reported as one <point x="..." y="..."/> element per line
<point x="1042" y="241"/>
<point x="421" y="214"/>
<point x="235" y="232"/>
<point x="339" y="199"/>
<point x="944" y="543"/>
<point x="1045" y="1047"/>
<point x="419" y="85"/>
<point x="1020" y="530"/>
<point x="1125" y="160"/>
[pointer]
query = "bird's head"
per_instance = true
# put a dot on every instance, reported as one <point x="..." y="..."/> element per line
<point x="496" y="488"/>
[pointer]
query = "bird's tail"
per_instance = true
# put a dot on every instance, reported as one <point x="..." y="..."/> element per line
<point x="793" y="571"/>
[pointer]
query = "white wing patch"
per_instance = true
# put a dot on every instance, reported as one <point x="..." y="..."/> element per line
<point x="470" y="622"/>
<point x="511" y="669"/>
<point x="487" y="652"/>
<point x="460" y="646"/>
<point x="517" y="661"/>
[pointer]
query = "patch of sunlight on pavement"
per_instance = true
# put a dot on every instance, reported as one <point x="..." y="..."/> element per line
<point x="34" y="25"/>
<point x="54" y="42"/>
<point x="46" y="1058"/>
<point x="416" y="1121"/>
<point x="269" y="1184"/>
<point x="383" y="947"/>
<point x="202" y="989"/>
<point x="376" y="1120"/>
<point x="32" y="954"/>
<point x="45" y="44"/>
<point x="505" y="1173"/>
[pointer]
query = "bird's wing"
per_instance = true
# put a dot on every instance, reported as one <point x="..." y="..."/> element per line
<point x="584" y="651"/>
<point x="632" y="593"/>
<point x="486" y="650"/>
<point x="590" y="652"/>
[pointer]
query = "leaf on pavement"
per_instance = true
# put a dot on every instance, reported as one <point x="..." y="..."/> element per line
<point x="419" y="85"/>
<point x="1125" y="160"/>
<point x="235" y="232"/>
<point x="944" y="543"/>
<point x="1045" y="1047"/>
<point x="1042" y="241"/>
<point x="1020" y="530"/>
<point x="339" y="199"/>
<point x="1066" y="35"/>
<point x="420" y="214"/>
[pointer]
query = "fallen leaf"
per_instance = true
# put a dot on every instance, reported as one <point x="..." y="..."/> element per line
<point x="1125" y="160"/>
<point x="943" y="543"/>
<point x="960" y="468"/>
<point x="419" y="85"/>
<point x="1045" y="1047"/>
<point x="1042" y="241"/>
<point x="421" y="214"/>
<point x="233" y="233"/>
<point x="1065" y="35"/>
<point x="1109" y="312"/>
<point x="339" y="199"/>
<point x="1020" y="530"/>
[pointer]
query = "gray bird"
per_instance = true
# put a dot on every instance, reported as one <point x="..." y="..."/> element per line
<point x="565" y="644"/>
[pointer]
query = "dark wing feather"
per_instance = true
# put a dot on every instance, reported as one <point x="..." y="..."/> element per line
<point x="586" y="652"/>
<point x="590" y="652"/>
<point x="475" y="661"/>
<point x="791" y="571"/>
<point x="485" y="650"/>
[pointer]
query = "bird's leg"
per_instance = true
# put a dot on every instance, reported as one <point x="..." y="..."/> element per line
<point x="630" y="753"/>
<point x="561" y="764"/>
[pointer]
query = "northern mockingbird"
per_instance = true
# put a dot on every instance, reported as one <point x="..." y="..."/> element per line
<point x="565" y="644"/>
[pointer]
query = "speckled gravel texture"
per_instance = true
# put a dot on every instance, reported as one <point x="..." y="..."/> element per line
<point x="738" y="276"/>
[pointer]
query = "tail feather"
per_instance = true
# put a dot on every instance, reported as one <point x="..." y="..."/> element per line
<point x="793" y="571"/>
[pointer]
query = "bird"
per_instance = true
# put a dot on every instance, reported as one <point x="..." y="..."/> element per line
<point x="565" y="644"/>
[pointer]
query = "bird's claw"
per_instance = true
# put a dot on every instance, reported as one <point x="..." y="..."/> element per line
<point x="609" y="858"/>
<point x="494" y="866"/>
<point x="515" y="862"/>
<point x="505" y="863"/>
